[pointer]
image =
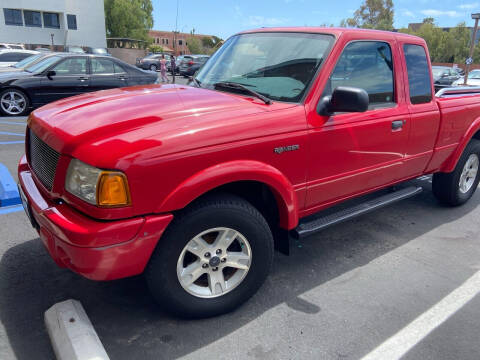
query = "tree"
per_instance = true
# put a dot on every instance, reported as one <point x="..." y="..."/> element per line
<point x="372" y="14"/>
<point x="128" y="18"/>
<point x="194" y="45"/>
<point x="155" y="48"/>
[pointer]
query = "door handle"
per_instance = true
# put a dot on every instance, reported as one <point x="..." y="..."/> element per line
<point x="82" y="78"/>
<point x="398" y="124"/>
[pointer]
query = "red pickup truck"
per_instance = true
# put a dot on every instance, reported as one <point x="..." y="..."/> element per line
<point x="195" y="186"/>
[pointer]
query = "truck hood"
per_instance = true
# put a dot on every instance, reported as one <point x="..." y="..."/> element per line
<point x="171" y="118"/>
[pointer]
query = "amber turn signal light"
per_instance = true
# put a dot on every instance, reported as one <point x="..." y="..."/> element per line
<point x="112" y="190"/>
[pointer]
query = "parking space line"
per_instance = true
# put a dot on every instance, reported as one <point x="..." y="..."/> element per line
<point x="10" y="209"/>
<point x="13" y="123"/>
<point x="10" y="133"/>
<point x="403" y="341"/>
<point x="12" y="142"/>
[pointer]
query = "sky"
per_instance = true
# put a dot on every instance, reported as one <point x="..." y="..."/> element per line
<point x="224" y="18"/>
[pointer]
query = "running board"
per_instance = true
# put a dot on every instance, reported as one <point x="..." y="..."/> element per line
<point x="318" y="224"/>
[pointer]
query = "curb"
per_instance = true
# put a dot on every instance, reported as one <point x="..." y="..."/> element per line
<point x="72" y="334"/>
<point x="8" y="189"/>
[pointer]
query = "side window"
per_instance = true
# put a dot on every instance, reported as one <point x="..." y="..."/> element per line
<point x="419" y="81"/>
<point x="118" y="69"/>
<point x="73" y="66"/>
<point x="102" y="66"/>
<point x="13" y="56"/>
<point x="367" y="65"/>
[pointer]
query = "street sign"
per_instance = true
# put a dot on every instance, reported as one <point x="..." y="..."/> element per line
<point x="469" y="61"/>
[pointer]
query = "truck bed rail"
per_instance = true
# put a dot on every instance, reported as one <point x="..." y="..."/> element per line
<point x="457" y="91"/>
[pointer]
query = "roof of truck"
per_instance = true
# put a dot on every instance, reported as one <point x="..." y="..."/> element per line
<point x="337" y="31"/>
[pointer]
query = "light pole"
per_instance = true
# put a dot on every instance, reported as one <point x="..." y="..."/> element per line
<point x="469" y="61"/>
<point x="175" y="45"/>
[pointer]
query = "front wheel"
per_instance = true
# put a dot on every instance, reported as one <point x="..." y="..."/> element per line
<point x="13" y="102"/>
<point x="457" y="187"/>
<point x="153" y="67"/>
<point x="212" y="258"/>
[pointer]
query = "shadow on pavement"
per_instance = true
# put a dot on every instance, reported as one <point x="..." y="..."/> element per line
<point x="131" y="326"/>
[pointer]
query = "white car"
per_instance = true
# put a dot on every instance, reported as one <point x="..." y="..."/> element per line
<point x="12" y="46"/>
<point x="12" y="56"/>
<point x="473" y="79"/>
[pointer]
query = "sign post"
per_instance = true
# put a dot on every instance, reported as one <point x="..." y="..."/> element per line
<point x="469" y="61"/>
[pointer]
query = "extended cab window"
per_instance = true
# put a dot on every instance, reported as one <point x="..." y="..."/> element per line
<point x="367" y="65"/>
<point x="419" y="81"/>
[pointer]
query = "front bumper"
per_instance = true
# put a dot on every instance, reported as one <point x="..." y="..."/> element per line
<point x="98" y="250"/>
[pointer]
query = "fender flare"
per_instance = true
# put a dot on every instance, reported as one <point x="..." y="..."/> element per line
<point x="233" y="171"/>
<point x="452" y="161"/>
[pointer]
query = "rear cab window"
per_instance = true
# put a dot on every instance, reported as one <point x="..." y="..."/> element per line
<point x="419" y="80"/>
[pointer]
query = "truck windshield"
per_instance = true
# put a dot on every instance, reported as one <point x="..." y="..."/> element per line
<point x="279" y="66"/>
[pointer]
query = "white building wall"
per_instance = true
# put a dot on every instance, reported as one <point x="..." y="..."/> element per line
<point x="90" y="23"/>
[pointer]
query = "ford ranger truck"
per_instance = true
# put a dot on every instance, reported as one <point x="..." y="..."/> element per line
<point x="194" y="186"/>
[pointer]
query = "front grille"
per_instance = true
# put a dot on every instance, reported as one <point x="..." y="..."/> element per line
<point x="43" y="159"/>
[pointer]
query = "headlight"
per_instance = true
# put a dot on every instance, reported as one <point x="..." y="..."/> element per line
<point x="96" y="186"/>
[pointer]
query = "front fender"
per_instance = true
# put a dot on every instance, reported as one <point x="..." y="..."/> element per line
<point x="229" y="172"/>
<point x="452" y="161"/>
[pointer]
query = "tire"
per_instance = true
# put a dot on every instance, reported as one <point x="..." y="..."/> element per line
<point x="447" y="187"/>
<point x="198" y="300"/>
<point x="20" y="106"/>
<point x="153" y="67"/>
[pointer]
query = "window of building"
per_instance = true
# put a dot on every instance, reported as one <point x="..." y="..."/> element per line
<point x="51" y="20"/>
<point x="419" y="81"/>
<point x="366" y="65"/>
<point x="13" y="17"/>
<point x="72" y="66"/>
<point x="180" y="42"/>
<point x="163" y="41"/>
<point x="72" y="22"/>
<point x="166" y="40"/>
<point x="32" y="18"/>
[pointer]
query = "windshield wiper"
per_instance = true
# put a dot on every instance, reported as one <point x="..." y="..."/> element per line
<point x="196" y="82"/>
<point x="234" y="85"/>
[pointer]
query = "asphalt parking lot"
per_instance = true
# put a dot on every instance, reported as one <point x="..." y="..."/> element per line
<point x="402" y="281"/>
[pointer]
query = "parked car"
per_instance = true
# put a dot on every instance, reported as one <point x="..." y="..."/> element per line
<point x="65" y="74"/>
<point x="444" y="76"/>
<point x="12" y="46"/>
<point x="151" y="62"/>
<point x="11" y="56"/>
<point x="42" y="49"/>
<point x="191" y="63"/>
<point x="178" y="61"/>
<point x="472" y="80"/>
<point x="97" y="51"/>
<point x="74" y="49"/>
<point x="195" y="187"/>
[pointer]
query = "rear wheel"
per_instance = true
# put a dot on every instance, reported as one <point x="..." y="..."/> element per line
<point x="457" y="187"/>
<point x="212" y="258"/>
<point x="13" y="102"/>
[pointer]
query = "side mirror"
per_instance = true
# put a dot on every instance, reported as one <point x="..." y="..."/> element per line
<point x="343" y="99"/>
<point x="51" y="73"/>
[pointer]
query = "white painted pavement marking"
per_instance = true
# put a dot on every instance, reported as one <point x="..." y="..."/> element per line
<point x="404" y="340"/>
<point x="72" y="334"/>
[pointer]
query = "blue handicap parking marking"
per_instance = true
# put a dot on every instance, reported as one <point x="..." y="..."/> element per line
<point x="3" y="122"/>
<point x="8" y="188"/>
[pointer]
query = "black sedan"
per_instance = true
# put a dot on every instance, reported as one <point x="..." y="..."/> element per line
<point x="444" y="76"/>
<point x="191" y="63"/>
<point x="151" y="62"/>
<point x="61" y="75"/>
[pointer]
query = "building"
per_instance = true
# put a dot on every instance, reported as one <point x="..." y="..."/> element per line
<point x="174" y="42"/>
<point x="65" y="22"/>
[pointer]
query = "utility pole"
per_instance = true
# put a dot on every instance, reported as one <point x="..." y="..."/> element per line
<point x="469" y="61"/>
<point x="52" y="35"/>
<point x="175" y="46"/>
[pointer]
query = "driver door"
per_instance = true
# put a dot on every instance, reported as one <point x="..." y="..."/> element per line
<point x="353" y="153"/>
<point x="71" y="78"/>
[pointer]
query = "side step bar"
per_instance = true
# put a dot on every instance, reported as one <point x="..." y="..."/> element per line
<point x="321" y="223"/>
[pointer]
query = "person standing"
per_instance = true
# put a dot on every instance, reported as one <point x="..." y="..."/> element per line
<point x="172" y="67"/>
<point x="163" y="69"/>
